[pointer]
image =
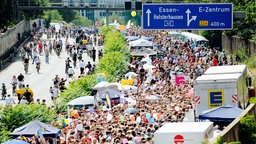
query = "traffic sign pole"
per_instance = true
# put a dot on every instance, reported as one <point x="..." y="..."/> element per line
<point x="212" y="16"/>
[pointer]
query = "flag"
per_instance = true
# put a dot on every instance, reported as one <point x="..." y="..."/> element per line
<point x="95" y="101"/>
<point x="108" y="99"/>
<point x="40" y="134"/>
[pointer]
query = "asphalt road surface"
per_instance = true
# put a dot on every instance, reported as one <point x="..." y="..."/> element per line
<point x="40" y="83"/>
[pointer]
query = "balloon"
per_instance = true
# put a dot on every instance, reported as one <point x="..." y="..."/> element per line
<point x="132" y="118"/>
<point x="91" y="110"/>
<point x="177" y="108"/>
<point x="132" y="24"/>
<point x="101" y="107"/>
<point x="72" y="113"/>
<point x="152" y="120"/>
<point x="64" y="124"/>
<point x="125" y="141"/>
<point x="76" y="115"/>
<point x="148" y="116"/>
<point x="138" y="139"/>
<point x="109" y="117"/>
<point x="133" y="13"/>
<point x="121" y="118"/>
<point x="66" y="121"/>
<point x="121" y="99"/>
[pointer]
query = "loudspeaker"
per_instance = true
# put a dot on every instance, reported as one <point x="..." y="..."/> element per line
<point x="127" y="5"/>
<point x="138" y="5"/>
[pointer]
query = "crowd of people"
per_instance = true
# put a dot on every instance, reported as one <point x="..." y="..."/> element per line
<point x="105" y="124"/>
<point x="110" y="123"/>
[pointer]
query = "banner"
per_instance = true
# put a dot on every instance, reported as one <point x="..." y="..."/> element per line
<point x="108" y="99"/>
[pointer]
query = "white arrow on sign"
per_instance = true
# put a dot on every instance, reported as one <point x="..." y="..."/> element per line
<point x="190" y="20"/>
<point x="148" y="12"/>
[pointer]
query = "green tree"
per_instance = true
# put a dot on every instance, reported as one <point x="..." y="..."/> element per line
<point x="14" y="117"/>
<point x="68" y="15"/>
<point x="113" y="64"/>
<point x="114" y="17"/>
<point x="82" y="21"/>
<point x="115" y="41"/>
<point x="80" y="87"/>
<point x="106" y="29"/>
<point x="214" y="37"/>
<point x="247" y="129"/>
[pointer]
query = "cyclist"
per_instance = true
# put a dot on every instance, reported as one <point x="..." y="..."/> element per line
<point x="20" y="80"/>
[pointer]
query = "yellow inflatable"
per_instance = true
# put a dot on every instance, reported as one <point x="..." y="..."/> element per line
<point x="127" y="82"/>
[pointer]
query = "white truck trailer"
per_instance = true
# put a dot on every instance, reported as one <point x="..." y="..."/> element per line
<point x="218" y="89"/>
<point x="184" y="133"/>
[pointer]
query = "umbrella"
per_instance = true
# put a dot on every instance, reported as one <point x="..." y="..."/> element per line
<point x="153" y="98"/>
<point x="130" y="74"/>
<point x="16" y="142"/>
<point x="147" y="60"/>
<point x="105" y="85"/>
<point x="83" y="101"/>
<point x="113" y="93"/>
<point x="131" y="110"/>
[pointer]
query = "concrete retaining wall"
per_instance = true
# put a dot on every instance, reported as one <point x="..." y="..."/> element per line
<point x="12" y="35"/>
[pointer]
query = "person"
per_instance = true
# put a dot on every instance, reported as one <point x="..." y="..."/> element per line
<point x="51" y="92"/>
<point x="26" y="63"/>
<point x="47" y="54"/>
<point x="35" y="54"/>
<point x="4" y="91"/>
<point x="74" y="59"/>
<point x="20" y="80"/>
<point x="89" y="66"/>
<point x="82" y="66"/>
<point x="67" y="64"/>
<point x="55" y="91"/>
<point x="38" y="62"/>
<point x="93" y="54"/>
<point x="9" y="100"/>
<point x="23" y="100"/>
<point x="27" y="95"/>
<point x="71" y="72"/>
<point x="14" y="83"/>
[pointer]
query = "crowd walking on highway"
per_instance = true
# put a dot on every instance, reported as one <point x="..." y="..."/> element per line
<point x="112" y="125"/>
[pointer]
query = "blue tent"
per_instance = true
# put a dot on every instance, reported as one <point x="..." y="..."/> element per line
<point x="225" y="113"/>
<point x="131" y="38"/>
<point x="16" y="142"/>
<point x="32" y="128"/>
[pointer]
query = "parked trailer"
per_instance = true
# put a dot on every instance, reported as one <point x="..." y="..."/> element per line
<point x="219" y="89"/>
<point x="184" y="133"/>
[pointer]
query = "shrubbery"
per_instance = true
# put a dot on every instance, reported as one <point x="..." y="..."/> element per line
<point x="14" y="117"/>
